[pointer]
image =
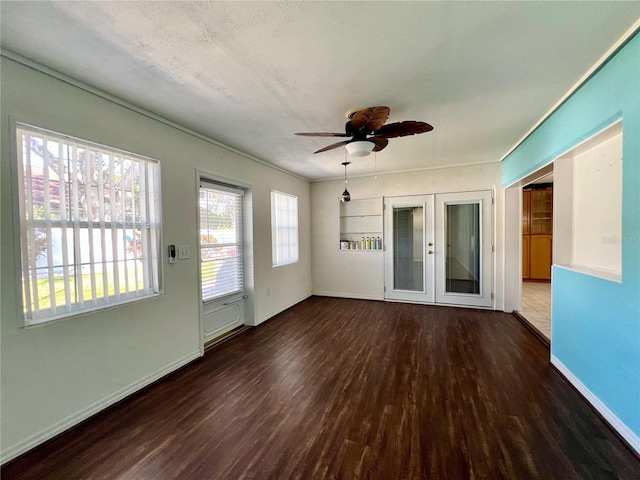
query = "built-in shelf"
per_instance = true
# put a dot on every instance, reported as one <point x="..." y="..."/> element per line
<point x="361" y="225"/>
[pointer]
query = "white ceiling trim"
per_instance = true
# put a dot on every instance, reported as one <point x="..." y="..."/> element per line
<point x="118" y="101"/>
<point x="596" y="66"/>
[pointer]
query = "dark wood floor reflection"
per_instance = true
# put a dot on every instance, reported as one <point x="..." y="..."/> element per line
<point x="348" y="389"/>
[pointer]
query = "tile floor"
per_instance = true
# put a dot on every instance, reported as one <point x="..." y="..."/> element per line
<point x="536" y="306"/>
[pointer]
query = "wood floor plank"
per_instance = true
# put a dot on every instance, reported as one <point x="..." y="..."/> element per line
<point x="350" y="389"/>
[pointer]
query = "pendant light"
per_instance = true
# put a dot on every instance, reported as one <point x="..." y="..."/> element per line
<point x="346" y="196"/>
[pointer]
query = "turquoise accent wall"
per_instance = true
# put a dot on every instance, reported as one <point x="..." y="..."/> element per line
<point x="595" y="322"/>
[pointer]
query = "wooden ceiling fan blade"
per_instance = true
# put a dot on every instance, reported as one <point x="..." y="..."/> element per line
<point x="380" y="143"/>
<point x="322" y="134"/>
<point x="403" y="129"/>
<point x="370" y="119"/>
<point x="331" y="147"/>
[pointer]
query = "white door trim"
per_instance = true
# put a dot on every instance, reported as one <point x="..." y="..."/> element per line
<point x="484" y="297"/>
<point x="434" y="264"/>
<point x="427" y="295"/>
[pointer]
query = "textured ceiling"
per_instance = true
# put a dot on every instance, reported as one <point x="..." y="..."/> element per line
<point x="250" y="74"/>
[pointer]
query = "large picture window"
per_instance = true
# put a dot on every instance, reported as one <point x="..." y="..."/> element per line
<point x="221" y="257"/>
<point x="284" y="228"/>
<point x="89" y="225"/>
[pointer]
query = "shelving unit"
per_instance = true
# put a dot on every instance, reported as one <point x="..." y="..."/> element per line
<point x="361" y="218"/>
<point x="537" y="229"/>
<point x="541" y="211"/>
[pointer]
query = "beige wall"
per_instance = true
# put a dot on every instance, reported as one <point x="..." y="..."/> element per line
<point x="356" y="274"/>
<point x="57" y="374"/>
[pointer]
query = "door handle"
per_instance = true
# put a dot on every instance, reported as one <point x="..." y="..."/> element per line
<point x="231" y="302"/>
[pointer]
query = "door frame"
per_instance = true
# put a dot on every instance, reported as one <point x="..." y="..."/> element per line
<point x="486" y="297"/>
<point x="427" y="295"/>
<point x="488" y="267"/>
<point x="513" y="238"/>
<point x="247" y="249"/>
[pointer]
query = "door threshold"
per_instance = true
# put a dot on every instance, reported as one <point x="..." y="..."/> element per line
<point x="539" y="335"/>
<point x="225" y="336"/>
<point x="437" y="304"/>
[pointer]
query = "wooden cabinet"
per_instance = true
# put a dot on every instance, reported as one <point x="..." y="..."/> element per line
<point x="525" y="256"/>
<point x="540" y="257"/>
<point x="526" y="209"/>
<point x="537" y="230"/>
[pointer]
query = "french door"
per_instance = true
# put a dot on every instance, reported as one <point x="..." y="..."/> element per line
<point x="463" y="259"/>
<point x="409" y="256"/>
<point x="438" y="248"/>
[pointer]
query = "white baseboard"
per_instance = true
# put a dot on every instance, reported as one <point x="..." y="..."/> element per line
<point x="74" y="419"/>
<point x="624" y="431"/>
<point x="355" y="296"/>
<point x="266" y="317"/>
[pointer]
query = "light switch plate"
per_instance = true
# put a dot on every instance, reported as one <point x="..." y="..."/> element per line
<point x="184" y="252"/>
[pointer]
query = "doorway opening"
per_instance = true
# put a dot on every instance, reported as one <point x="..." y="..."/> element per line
<point x="537" y="253"/>
<point x="586" y="228"/>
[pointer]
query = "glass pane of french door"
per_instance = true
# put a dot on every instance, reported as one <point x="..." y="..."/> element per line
<point x="408" y="251"/>
<point x="462" y="261"/>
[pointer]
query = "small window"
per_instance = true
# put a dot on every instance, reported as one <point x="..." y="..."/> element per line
<point x="221" y="257"/>
<point x="588" y="180"/>
<point x="89" y="225"/>
<point x="597" y="207"/>
<point x="284" y="229"/>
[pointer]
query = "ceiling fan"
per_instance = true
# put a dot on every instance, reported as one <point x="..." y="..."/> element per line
<point x="368" y="132"/>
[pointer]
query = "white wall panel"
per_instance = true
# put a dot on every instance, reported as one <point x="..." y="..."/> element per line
<point x="59" y="373"/>
<point x="597" y="207"/>
<point x="361" y="274"/>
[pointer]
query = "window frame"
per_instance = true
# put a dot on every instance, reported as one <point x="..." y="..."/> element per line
<point x="75" y="307"/>
<point x="275" y="229"/>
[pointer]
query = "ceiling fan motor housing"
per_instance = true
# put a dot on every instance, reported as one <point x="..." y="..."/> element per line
<point x="349" y="130"/>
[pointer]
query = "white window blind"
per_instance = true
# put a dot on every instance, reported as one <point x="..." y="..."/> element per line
<point x="221" y="254"/>
<point x="284" y="228"/>
<point x="89" y="225"/>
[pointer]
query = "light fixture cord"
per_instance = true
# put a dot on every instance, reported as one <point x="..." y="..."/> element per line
<point x="345" y="175"/>
<point x="345" y="169"/>
<point x="375" y="165"/>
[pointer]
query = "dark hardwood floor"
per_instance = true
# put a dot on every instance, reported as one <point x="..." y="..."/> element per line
<point x="348" y="389"/>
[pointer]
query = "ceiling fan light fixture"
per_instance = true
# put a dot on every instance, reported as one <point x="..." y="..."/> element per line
<point x="359" y="148"/>
<point x="367" y="131"/>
